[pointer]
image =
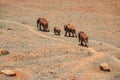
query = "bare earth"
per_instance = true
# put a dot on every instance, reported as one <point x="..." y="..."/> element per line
<point x="36" y="55"/>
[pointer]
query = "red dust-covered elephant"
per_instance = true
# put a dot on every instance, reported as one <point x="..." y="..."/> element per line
<point x="57" y="30"/>
<point x="44" y="23"/>
<point x="83" y="38"/>
<point x="70" y="29"/>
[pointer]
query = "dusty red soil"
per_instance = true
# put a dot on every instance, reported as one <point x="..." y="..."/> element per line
<point x="36" y="55"/>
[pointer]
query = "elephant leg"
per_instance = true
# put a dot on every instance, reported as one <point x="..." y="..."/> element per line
<point x="86" y="43"/>
<point x="75" y="34"/>
<point x="66" y="33"/>
<point x="37" y="25"/>
<point x="69" y="34"/>
<point x="44" y="28"/>
<point x="87" y="40"/>
<point x="58" y="33"/>
<point x="79" y="39"/>
<point x="40" y="26"/>
<point x="81" y="42"/>
<point x="72" y="34"/>
<point x="54" y="32"/>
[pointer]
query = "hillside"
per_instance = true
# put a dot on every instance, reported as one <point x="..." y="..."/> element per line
<point x="37" y="55"/>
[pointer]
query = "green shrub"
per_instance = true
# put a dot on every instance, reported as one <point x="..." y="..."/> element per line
<point x="1" y="26"/>
<point x="90" y="53"/>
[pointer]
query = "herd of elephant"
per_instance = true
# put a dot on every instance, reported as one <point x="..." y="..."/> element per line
<point x="42" y="24"/>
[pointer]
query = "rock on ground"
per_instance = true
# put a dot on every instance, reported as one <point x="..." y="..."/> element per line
<point x="3" y="52"/>
<point x="8" y="72"/>
<point x="105" y="67"/>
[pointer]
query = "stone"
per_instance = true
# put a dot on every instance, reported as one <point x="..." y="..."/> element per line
<point x="3" y="52"/>
<point x="8" y="72"/>
<point x="105" y="67"/>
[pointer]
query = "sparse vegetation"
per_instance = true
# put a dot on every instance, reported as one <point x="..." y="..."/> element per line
<point x="1" y="26"/>
<point x="90" y="53"/>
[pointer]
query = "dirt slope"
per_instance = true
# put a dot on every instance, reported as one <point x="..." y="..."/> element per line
<point x="36" y="55"/>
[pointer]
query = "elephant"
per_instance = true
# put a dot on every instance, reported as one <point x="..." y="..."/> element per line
<point x="44" y="23"/>
<point x="83" y="38"/>
<point x="57" y="30"/>
<point x="70" y="29"/>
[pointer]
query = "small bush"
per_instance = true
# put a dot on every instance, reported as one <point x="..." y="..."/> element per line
<point x="90" y="53"/>
<point x="1" y="26"/>
<point x="9" y="29"/>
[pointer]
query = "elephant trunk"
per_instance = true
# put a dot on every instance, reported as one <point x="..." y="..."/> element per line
<point x="37" y="23"/>
<point x="79" y="37"/>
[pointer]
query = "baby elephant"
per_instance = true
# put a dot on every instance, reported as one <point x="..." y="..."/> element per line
<point x="83" y="38"/>
<point x="44" y="23"/>
<point x="70" y="29"/>
<point x="57" y="30"/>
